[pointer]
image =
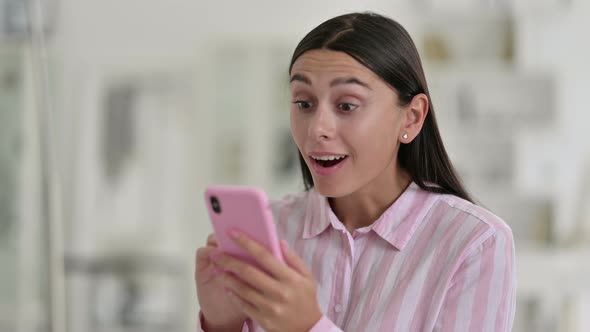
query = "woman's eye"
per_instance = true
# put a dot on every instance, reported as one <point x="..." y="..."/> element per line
<point x="302" y="105"/>
<point x="347" y="107"/>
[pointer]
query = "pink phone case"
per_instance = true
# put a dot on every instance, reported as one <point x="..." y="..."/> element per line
<point x="247" y="210"/>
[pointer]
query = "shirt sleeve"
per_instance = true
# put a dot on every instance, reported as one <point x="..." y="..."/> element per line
<point x="245" y="328"/>
<point x="482" y="292"/>
<point x="325" y="325"/>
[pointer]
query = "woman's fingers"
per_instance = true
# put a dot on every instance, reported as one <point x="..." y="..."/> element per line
<point x="204" y="253"/>
<point x="265" y="258"/>
<point x="212" y="240"/>
<point x="249" y="274"/>
<point x="204" y="260"/>
<point x="245" y="306"/>
<point x="242" y="289"/>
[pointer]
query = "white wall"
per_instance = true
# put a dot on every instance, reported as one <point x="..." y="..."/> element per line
<point x="558" y="42"/>
<point x="95" y="39"/>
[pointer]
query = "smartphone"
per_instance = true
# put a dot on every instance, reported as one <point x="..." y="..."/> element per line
<point x="246" y="210"/>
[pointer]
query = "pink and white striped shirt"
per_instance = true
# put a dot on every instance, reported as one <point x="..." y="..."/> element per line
<point x="431" y="262"/>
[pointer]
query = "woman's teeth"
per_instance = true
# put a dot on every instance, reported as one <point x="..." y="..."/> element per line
<point x="328" y="161"/>
<point x="326" y="158"/>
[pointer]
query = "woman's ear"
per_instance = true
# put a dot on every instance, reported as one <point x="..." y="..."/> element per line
<point x="413" y="118"/>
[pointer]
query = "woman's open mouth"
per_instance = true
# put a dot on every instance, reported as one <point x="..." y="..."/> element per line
<point x="327" y="164"/>
<point x="329" y="161"/>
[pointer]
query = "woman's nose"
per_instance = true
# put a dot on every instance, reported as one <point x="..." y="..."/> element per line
<point x="322" y="124"/>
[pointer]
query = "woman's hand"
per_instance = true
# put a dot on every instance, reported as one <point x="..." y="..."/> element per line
<point x="284" y="299"/>
<point x="219" y="311"/>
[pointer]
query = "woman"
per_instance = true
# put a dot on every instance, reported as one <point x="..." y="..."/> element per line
<point x="385" y="237"/>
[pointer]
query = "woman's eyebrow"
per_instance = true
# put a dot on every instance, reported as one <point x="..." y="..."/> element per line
<point x="300" y="78"/>
<point x="349" y="80"/>
<point x="337" y="81"/>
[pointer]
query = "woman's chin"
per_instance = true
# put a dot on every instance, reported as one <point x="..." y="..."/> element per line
<point x="332" y="189"/>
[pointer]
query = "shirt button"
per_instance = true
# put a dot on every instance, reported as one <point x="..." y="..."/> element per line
<point x="338" y="307"/>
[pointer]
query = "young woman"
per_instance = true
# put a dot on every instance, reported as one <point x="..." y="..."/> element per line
<point x="385" y="237"/>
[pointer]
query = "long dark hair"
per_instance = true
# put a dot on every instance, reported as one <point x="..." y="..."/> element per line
<point x="385" y="47"/>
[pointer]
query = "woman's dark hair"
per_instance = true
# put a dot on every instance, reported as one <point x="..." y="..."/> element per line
<point x="385" y="47"/>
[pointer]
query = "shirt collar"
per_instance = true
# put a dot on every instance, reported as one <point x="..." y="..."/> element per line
<point x="316" y="217"/>
<point x="396" y="225"/>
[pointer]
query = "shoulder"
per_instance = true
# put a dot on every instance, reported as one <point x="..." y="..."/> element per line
<point x="479" y="228"/>
<point x="481" y="265"/>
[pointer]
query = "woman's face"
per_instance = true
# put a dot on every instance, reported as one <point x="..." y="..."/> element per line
<point x="346" y="122"/>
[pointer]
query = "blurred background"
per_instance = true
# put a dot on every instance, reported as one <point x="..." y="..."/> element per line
<point x="115" y="115"/>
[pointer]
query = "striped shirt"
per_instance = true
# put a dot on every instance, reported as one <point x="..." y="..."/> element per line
<point x="430" y="262"/>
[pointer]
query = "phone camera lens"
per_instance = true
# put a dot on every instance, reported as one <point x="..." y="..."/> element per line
<point x="215" y="204"/>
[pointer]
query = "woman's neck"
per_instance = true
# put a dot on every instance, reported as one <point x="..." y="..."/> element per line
<point x="364" y="206"/>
